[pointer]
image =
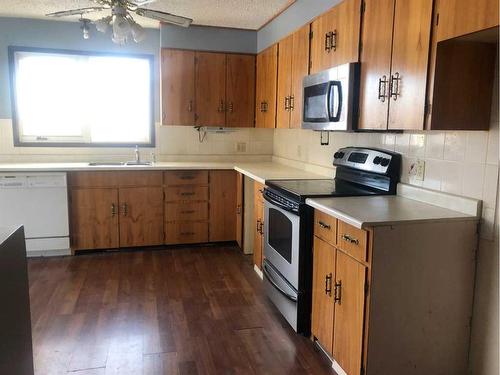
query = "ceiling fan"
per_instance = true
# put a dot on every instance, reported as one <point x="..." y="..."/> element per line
<point x="124" y="28"/>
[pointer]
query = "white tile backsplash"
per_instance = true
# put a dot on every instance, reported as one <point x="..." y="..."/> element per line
<point x="434" y="145"/>
<point x="454" y="146"/>
<point x="476" y="147"/>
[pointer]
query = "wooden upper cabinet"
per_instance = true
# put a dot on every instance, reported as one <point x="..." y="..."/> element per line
<point x="375" y="64"/>
<point x="300" y="69"/>
<point x="210" y="75"/>
<point x="94" y="218"/>
<point x="265" y="103"/>
<point x="240" y="90"/>
<point x="394" y="64"/>
<point x="141" y="216"/>
<point x="284" y="82"/>
<point x="177" y="87"/>
<point x="222" y="206"/>
<point x="459" y="17"/>
<point x="410" y="57"/>
<point x="349" y="291"/>
<point x="335" y="36"/>
<point x="293" y="66"/>
<point x="322" y="293"/>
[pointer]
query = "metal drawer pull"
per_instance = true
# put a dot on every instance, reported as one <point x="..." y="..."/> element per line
<point x="287" y="103"/>
<point x="220" y="108"/>
<point x="328" y="43"/>
<point x="257" y="226"/>
<point x="328" y="284"/>
<point x="187" y="177"/>
<point x="263" y="106"/>
<point x="323" y="225"/>
<point x="188" y="212"/>
<point x="190" y="106"/>
<point x="187" y="233"/>
<point x="292" y="102"/>
<point x="350" y="239"/>
<point x="231" y="107"/>
<point x="125" y="209"/>
<point x="261" y="227"/>
<point x="188" y="194"/>
<point x="338" y="292"/>
<point x="394" y="86"/>
<point x="333" y="40"/>
<point x="113" y="210"/>
<point x="382" y="88"/>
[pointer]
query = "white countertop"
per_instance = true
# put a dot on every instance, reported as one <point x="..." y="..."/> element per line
<point x="371" y="211"/>
<point x="259" y="171"/>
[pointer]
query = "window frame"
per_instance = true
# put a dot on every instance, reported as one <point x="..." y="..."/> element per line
<point x="13" y="97"/>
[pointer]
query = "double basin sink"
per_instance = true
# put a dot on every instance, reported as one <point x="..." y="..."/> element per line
<point x="120" y="164"/>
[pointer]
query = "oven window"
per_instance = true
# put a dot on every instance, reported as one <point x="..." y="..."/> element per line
<point x="280" y="234"/>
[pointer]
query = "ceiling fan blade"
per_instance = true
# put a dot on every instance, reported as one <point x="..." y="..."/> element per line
<point x="142" y="2"/>
<point x="164" y="17"/>
<point x="73" y="12"/>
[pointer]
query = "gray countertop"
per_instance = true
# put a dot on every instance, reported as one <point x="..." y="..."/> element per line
<point x="365" y="212"/>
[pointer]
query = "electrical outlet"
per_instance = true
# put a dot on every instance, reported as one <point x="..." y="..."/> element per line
<point x="417" y="170"/>
<point x="241" y="147"/>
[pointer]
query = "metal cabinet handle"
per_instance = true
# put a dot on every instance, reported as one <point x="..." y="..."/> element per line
<point x="187" y="194"/>
<point x="257" y="226"/>
<point x="394" y="87"/>
<point x="238" y="209"/>
<point x="333" y="40"/>
<point x="292" y="102"/>
<point x="113" y="210"/>
<point x="188" y="212"/>
<point x="328" y="284"/>
<point x="231" y="107"/>
<point x="323" y="225"/>
<point x="264" y="106"/>
<point x="350" y="239"/>
<point x="382" y="88"/>
<point x="125" y="209"/>
<point x="190" y="106"/>
<point x="328" y="43"/>
<point x="189" y="177"/>
<point x="287" y="105"/>
<point x="220" y="108"/>
<point x="261" y="228"/>
<point x="187" y="233"/>
<point x="338" y="292"/>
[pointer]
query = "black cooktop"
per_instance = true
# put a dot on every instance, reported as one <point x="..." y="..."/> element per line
<point x="301" y="189"/>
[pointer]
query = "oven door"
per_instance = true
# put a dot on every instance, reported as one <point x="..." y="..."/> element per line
<point x="281" y="240"/>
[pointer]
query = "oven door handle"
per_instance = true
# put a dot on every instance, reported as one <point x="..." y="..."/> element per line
<point x="275" y="284"/>
<point x="279" y="204"/>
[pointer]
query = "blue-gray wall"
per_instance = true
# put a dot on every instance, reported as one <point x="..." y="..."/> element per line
<point x="209" y="39"/>
<point x="63" y="35"/>
<point x="297" y="15"/>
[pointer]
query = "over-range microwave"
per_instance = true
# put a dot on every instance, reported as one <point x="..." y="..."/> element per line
<point x="331" y="99"/>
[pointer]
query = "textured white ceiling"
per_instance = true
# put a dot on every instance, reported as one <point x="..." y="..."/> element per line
<point x="245" y="14"/>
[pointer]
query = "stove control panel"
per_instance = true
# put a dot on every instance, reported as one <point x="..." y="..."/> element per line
<point x="367" y="159"/>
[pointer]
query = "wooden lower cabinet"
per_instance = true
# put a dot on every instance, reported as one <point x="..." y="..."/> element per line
<point x="322" y="294"/>
<point x="258" y="243"/>
<point x="94" y="218"/>
<point x="186" y="232"/>
<point x="349" y="292"/>
<point x="222" y="220"/>
<point x="239" y="209"/>
<point x="141" y="220"/>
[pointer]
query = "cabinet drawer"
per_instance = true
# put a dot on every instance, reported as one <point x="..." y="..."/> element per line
<point x="188" y="177"/>
<point x="186" y="193"/>
<point x="139" y="178"/>
<point x="352" y="240"/>
<point x="92" y="179"/>
<point x="325" y="227"/>
<point x="186" y="232"/>
<point x="195" y="211"/>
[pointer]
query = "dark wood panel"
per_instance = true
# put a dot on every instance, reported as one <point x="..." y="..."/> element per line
<point x="240" y="91"/>
<point x="222" y="206"/>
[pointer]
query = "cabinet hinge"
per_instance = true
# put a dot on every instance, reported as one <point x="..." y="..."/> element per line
<point x="428" y="109"/>
<point x="311" y="34"/>
<point x="363" y="7"/>
<point x="164" y="197"/>
<point x="437" y="19"/>
<point x="360" y="47"/>
<point x="367" y="288"/>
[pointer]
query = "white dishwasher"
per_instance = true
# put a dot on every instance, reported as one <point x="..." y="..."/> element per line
<point x="39" y="201"/>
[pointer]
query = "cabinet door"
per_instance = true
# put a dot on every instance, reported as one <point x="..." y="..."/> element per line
<point x="94" y="219"/>
<point x="376" y="64"/>
<point x="349" y="290"/>
<point x="322" y="293"/>
<point x="258" y="228"/>
<point x="141" y="216"/>
<point x="177" y="87"/>
<point x="410" y="57"/>
<point x="284" y="82"/>
<point x="210" y="89"/>
<point x="300" y="69"/>
<point x="239" y="209"/>
<point x="222" y="206"/>
<point x="335" y="39"/>
<point x="460" y="17"/>
<point x="240" y="90"/>
<point x="267" y="70"/>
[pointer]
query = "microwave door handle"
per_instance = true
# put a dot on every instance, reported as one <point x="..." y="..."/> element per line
<point x="331" y="97"/>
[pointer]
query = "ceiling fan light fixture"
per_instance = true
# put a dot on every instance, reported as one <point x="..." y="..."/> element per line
<point x="102" y="25"/>
<point x="138" y="32"/>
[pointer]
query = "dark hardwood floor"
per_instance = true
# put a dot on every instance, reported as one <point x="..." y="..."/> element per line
<point x="199" y="310"/>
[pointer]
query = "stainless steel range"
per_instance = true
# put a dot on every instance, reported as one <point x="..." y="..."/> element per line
<point x="288" y="224"/>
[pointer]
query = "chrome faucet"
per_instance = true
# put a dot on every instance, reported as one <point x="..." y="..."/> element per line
<point x="137" y="154"/>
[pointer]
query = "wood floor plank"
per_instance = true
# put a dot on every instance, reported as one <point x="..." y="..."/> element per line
<point x="177" y="311"/>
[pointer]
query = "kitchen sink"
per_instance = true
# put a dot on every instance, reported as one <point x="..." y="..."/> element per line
<point x="120" y="164"/>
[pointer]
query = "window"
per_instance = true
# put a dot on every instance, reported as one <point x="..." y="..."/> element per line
<point x="71" y="98"/>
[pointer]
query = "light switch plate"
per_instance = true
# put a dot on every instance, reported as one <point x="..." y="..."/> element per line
<point x="241" y="147"/>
